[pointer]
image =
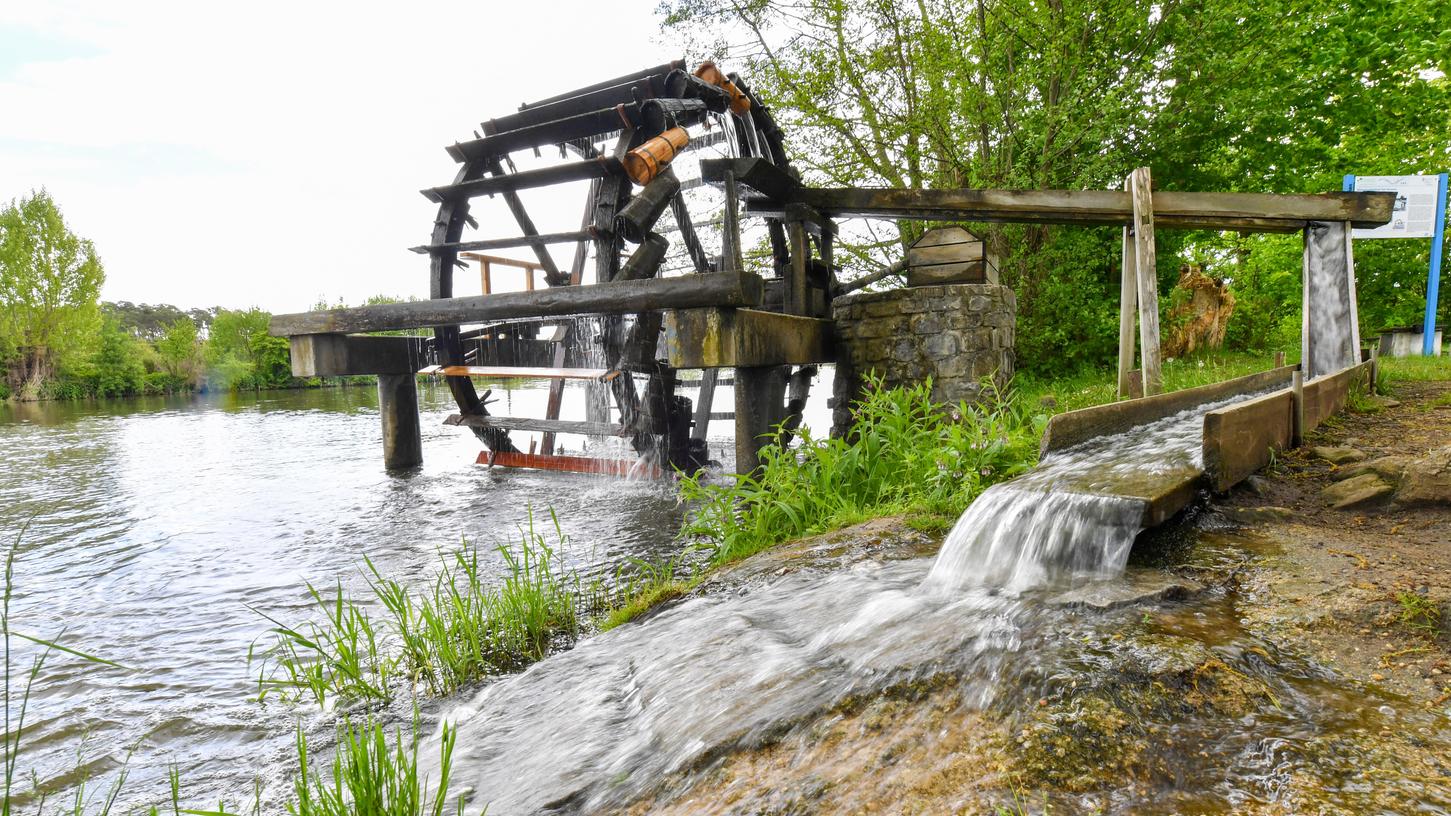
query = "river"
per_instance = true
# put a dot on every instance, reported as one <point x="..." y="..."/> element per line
<point x="160" y="529"/>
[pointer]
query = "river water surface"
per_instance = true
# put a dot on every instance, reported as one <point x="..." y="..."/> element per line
<point x="160" y="529"/>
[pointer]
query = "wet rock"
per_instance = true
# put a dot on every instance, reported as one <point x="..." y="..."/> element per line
<point x="1255" y="486"/>
<point x="1356" y="492"/>
<point x="1389" y="468"/>
<point x="1134" y="588"/>
<point x="1257" y="515"/>
<point x="1428" y="480"/>
<point x="1337" y="456"/>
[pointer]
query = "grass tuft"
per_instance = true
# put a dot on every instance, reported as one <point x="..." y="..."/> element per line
<point x="1420" y="613"/>
<point x="368" y="775"/>
<point x="640" y="586"/>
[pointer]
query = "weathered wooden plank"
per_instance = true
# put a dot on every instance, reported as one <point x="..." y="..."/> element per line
<point x="541" y="177"/>
<point x="965" y="272"/>
<point x="919" y="255"/>
<point x="508" y="243"/>
<point x="756" y="173"/>
<point x="620" y="297"/>
<point x="734" y="338"/>
<point x="553" y="426"/>
<point x="522" y="372"/>
<point x="1254" y="212"/>
<point x="348" y="355"/>
<point x="398" y="408"/>
<point x="1128" y="305"/>
<point x="1144" y="265"/>
<point x="573" y="464"/>
<point x="1329" y="322"/>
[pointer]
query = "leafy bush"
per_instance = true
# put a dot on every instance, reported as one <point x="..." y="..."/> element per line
<point x="906" y="453"/>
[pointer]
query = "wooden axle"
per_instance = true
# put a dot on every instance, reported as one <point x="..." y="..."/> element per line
<point x="616" y="297"/>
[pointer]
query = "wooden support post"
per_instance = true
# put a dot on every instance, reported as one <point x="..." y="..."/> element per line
<point x="398" y="405"/>
<point x="1374" y="368"/>
<point x="703" y="402"/>
<point x="731" y="225"/>
<point x="1128" y="303"/>
<point x="1279" y="359"/>
<point x="1330" y="334"/>
<point x="1297" y="410"/>
<point x="795" y="294"/>
<point x="1141" y="190"/>
<point x="760" y="392"/>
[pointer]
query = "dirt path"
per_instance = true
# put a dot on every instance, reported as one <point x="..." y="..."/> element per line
<point x="1368" y="590"/>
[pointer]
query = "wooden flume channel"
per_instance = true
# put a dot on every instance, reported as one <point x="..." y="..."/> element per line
<point x="629" y="139"/>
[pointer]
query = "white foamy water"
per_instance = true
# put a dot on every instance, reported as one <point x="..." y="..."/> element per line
<point x="1075" y="516"/>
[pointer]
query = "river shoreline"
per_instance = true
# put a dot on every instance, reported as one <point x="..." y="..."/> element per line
<point x="1260" y="661"/>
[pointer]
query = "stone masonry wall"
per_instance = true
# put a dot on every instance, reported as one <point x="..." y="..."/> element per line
<point x="954" y="333"/>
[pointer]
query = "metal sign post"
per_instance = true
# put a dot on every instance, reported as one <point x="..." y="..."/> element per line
<point x="1419" y="212"/>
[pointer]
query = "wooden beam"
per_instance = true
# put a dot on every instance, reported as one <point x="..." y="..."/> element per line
<point x="522" y="372"/>
<point x="739" y="338"/>
<point x="1145" y="269"/>
<point x="1128" y="304"/>
<point x="574" y="464"/>
<point x="348" y="355"/>
<point x="542" y="177"/>
<point x="756" y="173"/>
<point x="508" y="243"/>
<point x="1250" y="212"/>
<point x="621" y="297"/>
<point x="553" y="426"/>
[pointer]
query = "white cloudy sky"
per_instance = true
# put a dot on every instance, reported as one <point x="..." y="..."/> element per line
<point x="270" y="153"/>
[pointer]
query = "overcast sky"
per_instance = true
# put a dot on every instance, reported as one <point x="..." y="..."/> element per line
<point x="270" y="153"/>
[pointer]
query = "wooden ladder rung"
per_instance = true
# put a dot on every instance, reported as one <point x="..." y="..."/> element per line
<point x="524" y="372"/>
<point x="532" y="424"/>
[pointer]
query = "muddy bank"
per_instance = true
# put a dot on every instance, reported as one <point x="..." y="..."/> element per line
<point x="1257" y="658"/>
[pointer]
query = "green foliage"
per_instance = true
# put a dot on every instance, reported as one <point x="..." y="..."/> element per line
<point x="1020" y="94"/>
<point x="178" y="347"/>
<point x="370" y="776"/>
<point x="906" y="453"/>
<point x="640" y="586"/>
<point x="464" y="629"/>
<point x="1416" y="369"/>
<point x="1420" y="613"/>
<point x="467" y="628"/>
<point x="50" y="283"/>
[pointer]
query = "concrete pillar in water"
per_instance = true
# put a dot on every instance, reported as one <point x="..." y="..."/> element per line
<point x="398" y="405"/>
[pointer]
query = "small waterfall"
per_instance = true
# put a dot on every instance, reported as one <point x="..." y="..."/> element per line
<point x="1073" y="518"/>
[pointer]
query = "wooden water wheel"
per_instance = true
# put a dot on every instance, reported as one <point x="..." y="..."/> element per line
<point x="634" y="145"/>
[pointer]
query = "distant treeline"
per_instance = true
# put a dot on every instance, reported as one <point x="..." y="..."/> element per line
<point x="58" y="340"/>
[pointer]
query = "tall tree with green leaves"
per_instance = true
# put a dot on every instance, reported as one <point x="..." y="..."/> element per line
<point x="1212" y="94"/>
<point x="50" y="285"/>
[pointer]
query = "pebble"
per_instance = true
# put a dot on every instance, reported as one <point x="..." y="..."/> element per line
<point x="1377" y="676"/>
<point x="1437" y="671"/>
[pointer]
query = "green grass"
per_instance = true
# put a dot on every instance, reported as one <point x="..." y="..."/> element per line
<point x="1091" y="387"/>
<point x="641" y="586"/>
<point x="371" y="775"/>
<point x="463" y="628"/>
<point x="907" y="454"/>
<point x="1411" y="369"/>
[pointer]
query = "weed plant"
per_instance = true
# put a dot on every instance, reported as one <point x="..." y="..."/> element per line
<point x="906" y="453"/>
<point x="369" y="776"/>
<point x="640" y="585"/>
<point x="462" y="629"/>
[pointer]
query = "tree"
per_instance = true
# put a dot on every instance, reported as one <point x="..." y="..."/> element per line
<point x="50" y="282"/>
<point x="179" y="350"/>
<point x="1228" y="95"/>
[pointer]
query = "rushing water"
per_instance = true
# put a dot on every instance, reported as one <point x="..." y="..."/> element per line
<point x="159" y="529"/>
